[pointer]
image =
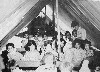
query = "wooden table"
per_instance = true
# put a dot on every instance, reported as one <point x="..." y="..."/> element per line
<point x="28" y="63"/>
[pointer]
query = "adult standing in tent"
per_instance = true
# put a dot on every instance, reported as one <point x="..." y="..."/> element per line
<point x="81" y="32"/>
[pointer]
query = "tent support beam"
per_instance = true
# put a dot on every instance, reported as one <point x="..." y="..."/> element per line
<point x="58" y="27"/>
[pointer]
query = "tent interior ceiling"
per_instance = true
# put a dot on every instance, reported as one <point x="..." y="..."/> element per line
<point x="84" y="11"/>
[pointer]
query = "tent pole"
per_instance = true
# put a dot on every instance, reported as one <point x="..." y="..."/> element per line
<point x="53" y="16"/>
<point x="58" y="28"/>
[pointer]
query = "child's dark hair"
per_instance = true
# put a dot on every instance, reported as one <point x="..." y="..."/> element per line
<point x="79" y="41"/>
<point x="30" y="42"/>
<point x="87" y="42"/>
<point x="63" y="40"/>
<point x="67" y="33"/>
<point x="9" y="44"/>
<point x="74" y="31"/>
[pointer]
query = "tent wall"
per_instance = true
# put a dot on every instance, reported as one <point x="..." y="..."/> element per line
<point x="12" y="12"/>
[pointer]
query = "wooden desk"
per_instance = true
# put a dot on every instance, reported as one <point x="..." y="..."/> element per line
<point x="28" y="63"/>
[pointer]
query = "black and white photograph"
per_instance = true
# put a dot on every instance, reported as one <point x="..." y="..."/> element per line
<point x="49" y="35"/>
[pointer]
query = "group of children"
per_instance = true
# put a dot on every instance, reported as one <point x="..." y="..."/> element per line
<point x="73" y="55"/>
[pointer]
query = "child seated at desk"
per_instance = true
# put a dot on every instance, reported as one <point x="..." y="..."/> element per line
<point x="32" y="54"/>
<point x="12" y="53"/>
<point x="48" y="62"/>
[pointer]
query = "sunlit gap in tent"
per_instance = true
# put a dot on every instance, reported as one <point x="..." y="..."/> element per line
<point x="49" y="12"/>
<point x="23" y="30"/>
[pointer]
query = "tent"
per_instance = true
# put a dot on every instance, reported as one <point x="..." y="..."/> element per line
<point x="19" y="13"/>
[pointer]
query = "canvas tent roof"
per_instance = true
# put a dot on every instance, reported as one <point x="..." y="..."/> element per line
<point x="21" y="12"/>
<point x="86" y="12"/>
<point x="20" y="16"/>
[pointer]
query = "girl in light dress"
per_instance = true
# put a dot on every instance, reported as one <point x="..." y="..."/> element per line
<point x="79" y="54"/>
<point x="66" y="57"/>
<point x="12" y="53"/>
<point x="48" y="63"/>
<point x="89" y="54"/>
<point x="72" y="57"/>
<point x="88" y="51"/>
<point x="65" y="60"/>
<point x="48" y="48"/>
<point x="33" y="54"/>
<point x="13" y="56"/>
<point x="68" y="40"/>
<point x="85" y="67"/>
